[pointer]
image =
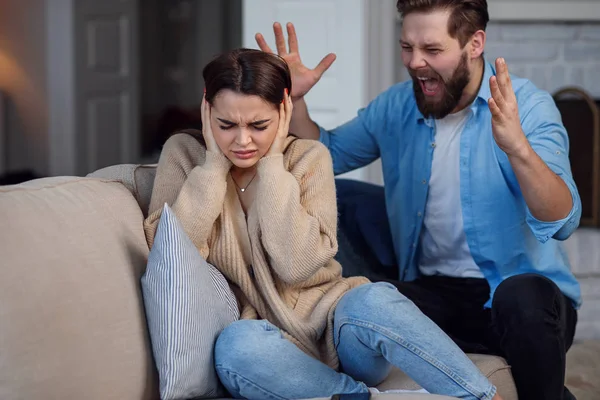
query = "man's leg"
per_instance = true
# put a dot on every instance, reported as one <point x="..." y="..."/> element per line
<point x="364" y="237"/>
<point x="535" y="324"/>
<point x="456" y="306"/>
<point x="254" y="361"/>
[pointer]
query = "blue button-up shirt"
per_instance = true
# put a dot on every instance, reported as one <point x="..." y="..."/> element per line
<point x="504" y="238"/>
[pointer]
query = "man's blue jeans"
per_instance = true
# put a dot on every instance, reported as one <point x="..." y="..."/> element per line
<point x="375" y="327"/>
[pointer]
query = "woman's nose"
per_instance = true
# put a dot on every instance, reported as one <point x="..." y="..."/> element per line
<point x="243" y="138"/>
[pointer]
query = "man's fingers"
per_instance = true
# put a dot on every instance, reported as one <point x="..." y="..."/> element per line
<point x="504" y="79"/>
<point x="325" y="64"/>
<point x="495" y="110"/>
<point x="292" y="38"/>
<point x="496" y="92"/>
<point x="279" y="39"/>
<point x="262" y="43"/>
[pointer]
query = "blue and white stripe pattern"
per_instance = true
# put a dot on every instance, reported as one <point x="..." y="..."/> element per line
<point x="188" y="303"/>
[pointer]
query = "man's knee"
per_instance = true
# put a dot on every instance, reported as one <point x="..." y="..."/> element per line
<point x="526" y="299"/>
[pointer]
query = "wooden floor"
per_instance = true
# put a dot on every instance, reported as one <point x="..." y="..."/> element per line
<point x="583" y="370"/>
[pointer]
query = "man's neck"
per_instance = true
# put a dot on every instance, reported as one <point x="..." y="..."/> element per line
<point x="472" y="89"/>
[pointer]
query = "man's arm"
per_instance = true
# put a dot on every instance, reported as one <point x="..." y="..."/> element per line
<point x="546" y="194"/>
<point x="537" y="146"/>
<point x="353" y="144"/>
<point x="301" y="124"/>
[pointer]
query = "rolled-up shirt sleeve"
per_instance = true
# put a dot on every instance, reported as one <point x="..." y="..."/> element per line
<point x="354" y="144"/>
<point x="542" y="123"/>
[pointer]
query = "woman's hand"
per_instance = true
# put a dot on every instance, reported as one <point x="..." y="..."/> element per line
<point x="211" y="144"/>
<point x="285" y="115"/>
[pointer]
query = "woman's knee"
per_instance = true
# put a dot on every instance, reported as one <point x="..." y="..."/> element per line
<point x="372" y="299"/>
<point x="240" y="342"/>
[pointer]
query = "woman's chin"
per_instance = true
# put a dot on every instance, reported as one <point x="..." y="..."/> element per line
<point x="243" y="164"/>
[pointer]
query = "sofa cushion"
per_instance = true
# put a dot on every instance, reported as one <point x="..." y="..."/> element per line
<point x="494" y="368"/>
<point x="72" y="324"/>
<point x="188" y="303"/>
<point x="139" y="179"/>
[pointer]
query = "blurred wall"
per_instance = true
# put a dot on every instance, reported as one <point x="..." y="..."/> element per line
<point x="23" y="78"/>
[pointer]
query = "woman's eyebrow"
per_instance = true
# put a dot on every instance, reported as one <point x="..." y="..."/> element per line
<point x="262" y="121"/>
<point x="226" y="121"/>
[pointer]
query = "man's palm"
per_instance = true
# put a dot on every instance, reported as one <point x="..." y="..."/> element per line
<point x="303" y="78"/>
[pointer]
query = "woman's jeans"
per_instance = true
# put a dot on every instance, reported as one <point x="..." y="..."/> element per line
<point x="375" y="327"/>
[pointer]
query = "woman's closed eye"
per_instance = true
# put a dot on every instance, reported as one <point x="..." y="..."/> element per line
<point x="258" y="125"/>
<point x="261" y="127"/>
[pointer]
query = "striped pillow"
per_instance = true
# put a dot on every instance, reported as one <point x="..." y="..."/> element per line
<point x="188" y="303"/>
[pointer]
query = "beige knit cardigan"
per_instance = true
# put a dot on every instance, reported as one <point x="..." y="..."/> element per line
<point x="279" y="257"/>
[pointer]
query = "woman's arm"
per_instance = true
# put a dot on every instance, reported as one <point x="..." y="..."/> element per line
<point x="195" y="192"/>
<point x="297" y="211"/>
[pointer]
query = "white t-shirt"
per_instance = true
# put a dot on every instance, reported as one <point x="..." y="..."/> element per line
<point x="444" y="249"/>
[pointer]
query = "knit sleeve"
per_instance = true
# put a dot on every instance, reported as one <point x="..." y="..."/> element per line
<point x="193" y="183"/>
<point x="297" y="212"/>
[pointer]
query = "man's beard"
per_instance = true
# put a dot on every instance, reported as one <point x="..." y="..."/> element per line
<point x="452" y="91"/>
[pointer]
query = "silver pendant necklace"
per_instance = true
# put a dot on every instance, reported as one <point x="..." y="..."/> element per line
<point x="243" y="189"/>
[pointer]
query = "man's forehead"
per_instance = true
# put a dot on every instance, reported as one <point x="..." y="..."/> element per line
<point x="426" y="35"/>
<point x="430" y="27"/>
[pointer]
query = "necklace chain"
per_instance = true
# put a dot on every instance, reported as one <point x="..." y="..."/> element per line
<point x="243" y="189"/>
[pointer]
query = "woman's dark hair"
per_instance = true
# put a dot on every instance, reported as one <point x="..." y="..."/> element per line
<point x="248" y="71"/>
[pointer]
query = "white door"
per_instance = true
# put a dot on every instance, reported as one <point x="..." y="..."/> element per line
<point x="337" y="26"/>
<point x="106" y="83"/>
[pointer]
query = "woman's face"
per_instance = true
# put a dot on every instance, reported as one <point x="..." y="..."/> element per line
<point x="244" y="126"/>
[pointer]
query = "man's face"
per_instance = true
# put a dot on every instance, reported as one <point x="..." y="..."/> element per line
<point x="439" y="67"/>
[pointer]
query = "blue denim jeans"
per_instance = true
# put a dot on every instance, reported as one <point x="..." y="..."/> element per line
<point x="375" y="327"/>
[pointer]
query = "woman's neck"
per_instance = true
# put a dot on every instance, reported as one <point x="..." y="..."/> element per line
<point x="243" y="175"/>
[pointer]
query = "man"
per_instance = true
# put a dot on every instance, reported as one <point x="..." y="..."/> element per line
<point x="478" y="189"/>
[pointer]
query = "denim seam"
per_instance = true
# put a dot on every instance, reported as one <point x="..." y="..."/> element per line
<point x="249" y="382"/>
<point x="422" y="354"/>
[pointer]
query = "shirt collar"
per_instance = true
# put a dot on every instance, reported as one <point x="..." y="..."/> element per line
<point x="482" y="96"/>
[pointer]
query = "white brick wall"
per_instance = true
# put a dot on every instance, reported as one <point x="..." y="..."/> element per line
<point x="552" y="55"/>
<point x="583" y="248"/>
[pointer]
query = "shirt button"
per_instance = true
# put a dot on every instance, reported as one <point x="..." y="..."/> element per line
<point x="423" y="181"/>
<point x="419" y="214"/>
<point x="433" y="144"/>
<point x="414" y="245"/>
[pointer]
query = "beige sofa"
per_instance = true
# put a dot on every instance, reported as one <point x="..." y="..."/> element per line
<point x="72" y="324"/>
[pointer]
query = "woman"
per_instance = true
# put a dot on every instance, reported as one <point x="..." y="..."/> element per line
<point x="260" y="206"/>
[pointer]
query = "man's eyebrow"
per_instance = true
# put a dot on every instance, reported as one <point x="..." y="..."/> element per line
<point x="432" y="44"/>
<point x="425" y="45"/>
<point x="226" y="121"/>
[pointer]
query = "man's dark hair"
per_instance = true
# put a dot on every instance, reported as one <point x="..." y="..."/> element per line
<point x="466" y="16"/>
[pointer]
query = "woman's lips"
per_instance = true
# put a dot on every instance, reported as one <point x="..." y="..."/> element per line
<point x="245" y="154"/>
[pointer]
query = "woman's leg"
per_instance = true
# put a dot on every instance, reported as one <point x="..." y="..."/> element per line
<point x="254" y="361"/>
<point x="375" y="325"/>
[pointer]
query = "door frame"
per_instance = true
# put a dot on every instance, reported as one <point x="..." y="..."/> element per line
<point x="381" y="19"/>
<point x="60" y="58"/>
